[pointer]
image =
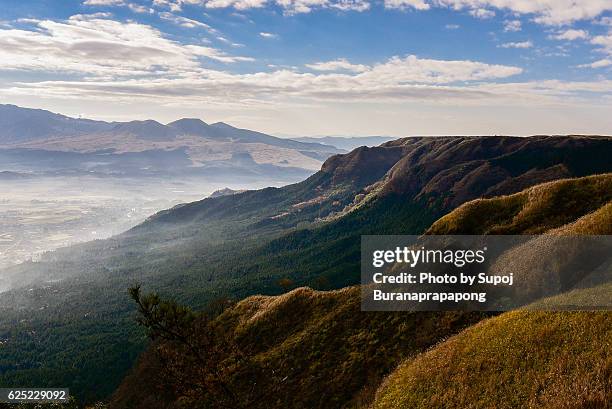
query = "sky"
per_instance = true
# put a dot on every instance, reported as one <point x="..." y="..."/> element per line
<point x="317" y="67"/>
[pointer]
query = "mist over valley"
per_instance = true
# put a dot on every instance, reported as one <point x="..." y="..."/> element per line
<point x="68" y="180"/>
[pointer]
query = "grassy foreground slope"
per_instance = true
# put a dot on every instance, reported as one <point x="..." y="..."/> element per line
<point x="322" y="351"/>
<point x="329" y="354"/>
<point x="522" y="359"/>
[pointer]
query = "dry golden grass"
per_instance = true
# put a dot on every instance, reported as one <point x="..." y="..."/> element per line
<point x="331" y="353"/>
<point x="520" y="359"/>
<point x="532" y="211"/>
<point x="597" y="222"/>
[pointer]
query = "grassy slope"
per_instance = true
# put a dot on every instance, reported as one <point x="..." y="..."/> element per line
<point x="522" y="359"/>
<point x="330" y="354"/>
<point x="517" y="360"/>
<point x="334" y="355"/>
<point x="532" y="211"/>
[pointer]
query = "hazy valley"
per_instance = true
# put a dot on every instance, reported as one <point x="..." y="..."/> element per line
<point x="40" y="214"/>
<point x="66" y="180"/>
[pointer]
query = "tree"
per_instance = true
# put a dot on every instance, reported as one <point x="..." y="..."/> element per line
<point x="203" y="362"/>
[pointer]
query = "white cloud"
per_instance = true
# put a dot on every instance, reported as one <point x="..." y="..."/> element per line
<point x="351" y="5"/>
<point x="301" y="6"/>
<point x="214" y="54"/>
<point x="126" y="61"/>
<point x="428" y="71"/>
<point x="187" y="22"/>
<point x="482" y="13"/>
<point x="103" y="2"/>
<point x="570" y="35"/>
<point x="598" y="64"/>
<point x="75" y="17"/>
<point x="340" y="64"/>
<point x="401" y="89"/>
<point x="549" y="12"/>
<point x="96" y="47"/>
<point x="175" y="5"/>
<point x="402" y="4"/>
<point x="289" y="6"/>
<point x="512" y="25"/>
<point x="137" y="8"/>
<point x="395" y="79"/>
<point x="604" y="41"/>
<point x="227" y="41"/>
<point x="452" y="26"/>
<point x="289" y="86"/>
<point x="268" y="35"/>
<point x="167" y="4"/>
<point x="237" y="4"/>
<point x="522" y="44"/>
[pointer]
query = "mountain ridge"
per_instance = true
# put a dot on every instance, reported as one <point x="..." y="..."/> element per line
<point x="187" y="146"/>
<point x="12" y="115"/>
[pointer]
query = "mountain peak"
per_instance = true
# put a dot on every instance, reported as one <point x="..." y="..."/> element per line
<point x="187" y="121"/>
<point x="147" y="129"/>
<point x="191" y="126"/>
<point x="145" y="122"/>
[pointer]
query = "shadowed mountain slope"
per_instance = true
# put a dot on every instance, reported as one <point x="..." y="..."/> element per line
<point x="329" y="354"/>
<point x="436" y="172"/>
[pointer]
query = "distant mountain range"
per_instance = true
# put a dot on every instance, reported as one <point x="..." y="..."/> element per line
<point x="42" y="141"/>
<point x="346" y="142"/>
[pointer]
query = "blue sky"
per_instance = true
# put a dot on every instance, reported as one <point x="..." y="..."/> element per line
<point x="316" y="67"/>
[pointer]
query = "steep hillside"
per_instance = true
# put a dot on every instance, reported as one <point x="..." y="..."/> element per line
<point x="314" y="349"/>
<point x="436" y="173"/>
<point x="326" y="353"/>
<point x="306" y="234"/>
<point x="520" y="359"/>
